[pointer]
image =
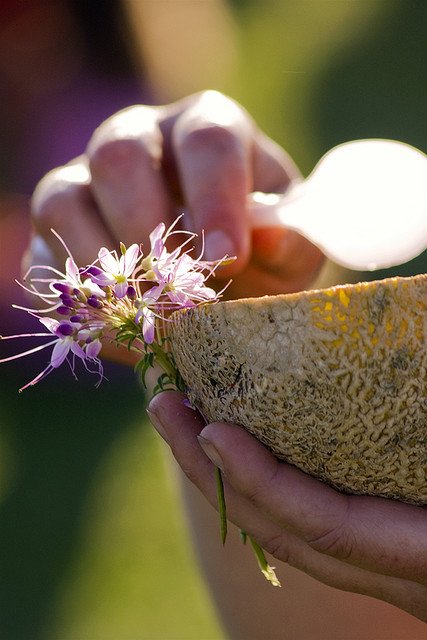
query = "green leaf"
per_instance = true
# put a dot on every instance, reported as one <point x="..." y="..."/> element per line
<point x="143" y="365"/>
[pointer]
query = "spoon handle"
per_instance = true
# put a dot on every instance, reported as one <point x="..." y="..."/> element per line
<point x="296" y="210"/>
<point x="359" y="242"/>
<point x="275" y="210"/>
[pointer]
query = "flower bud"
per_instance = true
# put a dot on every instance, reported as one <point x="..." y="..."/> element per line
<point x="65" y="329"/>
<point x="92" y="271"/>
<point x="62" y="287"/>
<point x="67" y="300"/>
<point x="131" y="292"/>
<point x="95" y="302"/>
<point x="64" y="311"/>
<point x="80" y="296"/>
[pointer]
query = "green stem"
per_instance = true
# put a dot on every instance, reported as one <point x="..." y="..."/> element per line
<point x="222" y="508"/>
<point x="163" y="360"/>
<point x="167" y="365"/>
<point x="263" y="564"/>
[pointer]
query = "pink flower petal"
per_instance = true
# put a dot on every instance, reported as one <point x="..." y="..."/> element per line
<point x="72" y="270"/>
<point x="152" y="295"/>
<point x="107" y="260"/>
<point x="78" y="350"/>
<point x="157" y="234"/>
<point x="129" y="260"/>
<point x="148" y="326"/>
<point x="120" y="289"/>
<point x="103" y="280"/>
<point x="60" y="352"/>
<point x="93" y="349"/>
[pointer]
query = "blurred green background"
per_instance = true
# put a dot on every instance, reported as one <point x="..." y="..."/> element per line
<point x="92" y="538"/>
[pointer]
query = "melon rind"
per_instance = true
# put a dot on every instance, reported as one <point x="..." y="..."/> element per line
<point x="333" y="380"/>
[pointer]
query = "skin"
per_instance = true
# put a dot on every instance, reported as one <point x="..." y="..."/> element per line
<point x="362" y="544"/>
<point x="204" y="155"/>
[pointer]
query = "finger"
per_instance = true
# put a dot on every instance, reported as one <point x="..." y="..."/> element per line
<point x="63" y="202"/>
<point x="212" y="146"/>
<point x="373" y="533"/>
<point x="180" y="426"/>
<point x="282" y="251"/>
<point x="221" y="157"/>
<point x="38" y="252"/>
<point x="260" y="279"/>
<point x="125" y="158"/>
<point x="162" y="411"/>
<point x="285" y="254"/>
<point x="274" y="171"/>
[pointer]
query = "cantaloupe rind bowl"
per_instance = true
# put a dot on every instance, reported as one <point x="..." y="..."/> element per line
<point x="332" y="380"/>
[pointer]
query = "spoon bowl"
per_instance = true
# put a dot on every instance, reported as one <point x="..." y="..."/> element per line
<point x="364" y="204"/>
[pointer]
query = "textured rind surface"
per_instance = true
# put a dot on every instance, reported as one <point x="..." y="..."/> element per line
<point x="333" y="380"/>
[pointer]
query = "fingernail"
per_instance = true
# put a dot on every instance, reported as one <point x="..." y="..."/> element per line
<point x="211" y="452"/>
<point x="157" y="424"/>
<point x="218" y="244"/>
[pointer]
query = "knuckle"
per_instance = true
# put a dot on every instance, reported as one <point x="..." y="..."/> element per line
<point x="214" y="122"/>
<point x="278" y="547"/>
<point x="336" y="541"/>
<point x="126" y="138"/>
<point x="211" y="100"/>
<point x="212" y="94"/>
<point x="220" y="107"/>
<point x="50" y="197"/>
<point x="42" y="194"/>
<point x="255" y="493"/>
<point x="130" y="122"/>
<point x="117" y="155"/>
<point x="218" y="139"/>
<point x="216" y="209"/>
<point x="259" y="493"/>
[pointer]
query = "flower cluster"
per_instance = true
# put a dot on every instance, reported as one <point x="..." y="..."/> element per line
<point x="124" y="299"/>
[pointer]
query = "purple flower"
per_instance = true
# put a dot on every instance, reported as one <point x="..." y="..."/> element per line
<point x="184" y="282"/>
<point x="146" y="312"/>
<point x="66" y="341"/>
<point x="159" y="257"/>
<point x="93" y="348"/>
<point x="116" y="271"/>
<point x="112" y="302"/>
<point x="157" y="241"/>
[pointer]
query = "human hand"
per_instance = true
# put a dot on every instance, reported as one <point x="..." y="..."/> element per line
<point x="144" y="165"/>
<point x="360" y="544"/>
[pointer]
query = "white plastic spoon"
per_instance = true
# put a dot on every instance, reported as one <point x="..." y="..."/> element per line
<point x="364" y="205"/>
